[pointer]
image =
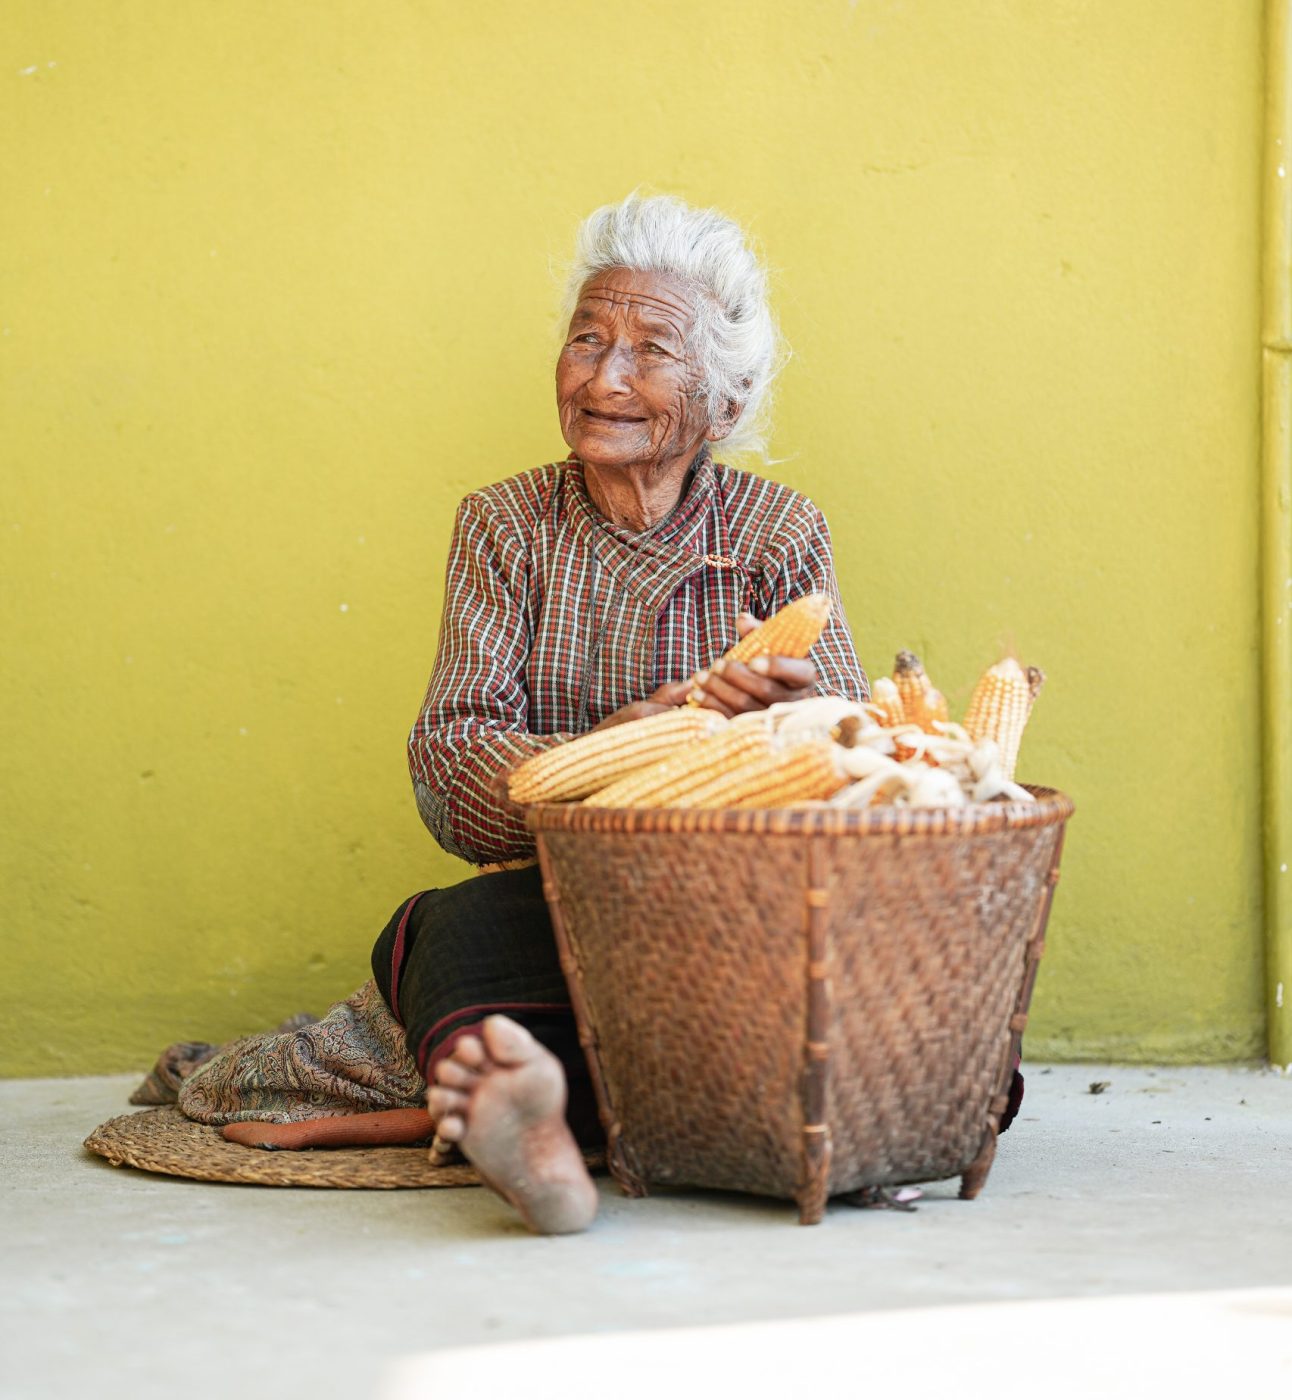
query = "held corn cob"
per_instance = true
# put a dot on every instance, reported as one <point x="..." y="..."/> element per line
<point x="591" y="761"/>
<point x="998" y="710"/>
<point x="669" y="782"/>
<point x="804" y="772"/>
<point x="793" y="631"/>
<point x="922" y="704"/>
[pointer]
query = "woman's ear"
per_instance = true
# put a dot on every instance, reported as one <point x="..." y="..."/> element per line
<point x="730" y="412"/>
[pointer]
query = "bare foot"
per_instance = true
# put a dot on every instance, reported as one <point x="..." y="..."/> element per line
<point x="501" y="1098"/>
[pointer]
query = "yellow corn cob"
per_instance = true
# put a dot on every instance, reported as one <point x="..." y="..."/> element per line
<point x="909" y="677"/>
<point x="583" y="765"/>
<point x="668" y="782"/>
<point x="998" y="710"/>
<point x="922" y="703"/>
<point x="886" y="703"/>
<point x="802" y="772"/>
<point x="936" y="710"/>
<point x="791" y="632"/>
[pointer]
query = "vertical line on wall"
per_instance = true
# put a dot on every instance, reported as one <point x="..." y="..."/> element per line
<point x="1276" y="528"/>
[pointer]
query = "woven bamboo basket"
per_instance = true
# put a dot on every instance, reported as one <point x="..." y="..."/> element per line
<point x="803" y="1002"/>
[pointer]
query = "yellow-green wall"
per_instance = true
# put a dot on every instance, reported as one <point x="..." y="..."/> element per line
<point x="277" y="284"/>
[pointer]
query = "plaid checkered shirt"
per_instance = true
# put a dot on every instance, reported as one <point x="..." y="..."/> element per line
<point x="554" y="618"/>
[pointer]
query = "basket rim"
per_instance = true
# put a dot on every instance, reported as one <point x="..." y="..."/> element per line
<point x="1051" y="808"/>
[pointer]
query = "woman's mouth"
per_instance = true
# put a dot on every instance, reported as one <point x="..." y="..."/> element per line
<point x="611" y="417"/>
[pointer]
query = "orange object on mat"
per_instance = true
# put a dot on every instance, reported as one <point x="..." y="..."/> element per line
<point x="395" y="1127"/>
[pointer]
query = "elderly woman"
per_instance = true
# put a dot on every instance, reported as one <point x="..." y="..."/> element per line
<point x="582" y="594"/>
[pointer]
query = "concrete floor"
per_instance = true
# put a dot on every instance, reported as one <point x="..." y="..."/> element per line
<point x="118" y="1283"/>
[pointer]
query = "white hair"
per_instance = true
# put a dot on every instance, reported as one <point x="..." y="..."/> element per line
<point x="736" y="343"/>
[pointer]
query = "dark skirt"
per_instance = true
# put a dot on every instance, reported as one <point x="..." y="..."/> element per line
<point x="448" y="958"/>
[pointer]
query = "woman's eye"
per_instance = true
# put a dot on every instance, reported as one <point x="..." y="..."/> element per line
<point x="654" y="349"/>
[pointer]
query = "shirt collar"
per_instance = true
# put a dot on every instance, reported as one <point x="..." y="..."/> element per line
<point x="696" y="494"/>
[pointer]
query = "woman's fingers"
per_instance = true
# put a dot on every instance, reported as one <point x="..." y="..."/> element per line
<point x="740" y="688"/>
<point x="737" y="690"/>
<point x="639" y="709"/>
<point x="791" y="672"/>
<point x="698" y="686"/>
<point x="725" y="698"/>
<point x="671" y="693"/>
<point x="667" y="697"/>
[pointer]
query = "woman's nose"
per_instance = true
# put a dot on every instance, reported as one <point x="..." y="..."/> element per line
<point x="614" y="370"/>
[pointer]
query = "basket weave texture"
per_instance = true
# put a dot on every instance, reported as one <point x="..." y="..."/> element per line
<point x="163" y="1140"/>
<point x="805" y="1002"/>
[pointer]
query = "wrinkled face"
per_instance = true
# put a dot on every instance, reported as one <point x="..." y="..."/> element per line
<point x="627" y="389"/>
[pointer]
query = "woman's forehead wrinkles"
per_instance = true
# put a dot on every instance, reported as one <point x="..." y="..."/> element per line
<point x="648" y="306"/>
<point x="631" y="294"/>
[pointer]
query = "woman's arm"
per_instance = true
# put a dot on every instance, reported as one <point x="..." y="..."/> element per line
<point x="473" y="726"/>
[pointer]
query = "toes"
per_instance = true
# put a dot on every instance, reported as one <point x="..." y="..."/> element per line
<point x="451" y="1128"/>
<point x="455" y="1074"/>
<point x="469" y="1051"/>
<point x="508" y="1042"/>
<point x="442" y="1102"/>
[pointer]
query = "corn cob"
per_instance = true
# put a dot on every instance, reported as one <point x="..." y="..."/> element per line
<point x="922" y="703"/>
<point x="668" y="782"/>
<point x="583" y="765"/>
<point x="998" y="710"/>
<point x="910" y="680"/>
<point x="886" y="703"/>
<point x="802" y="772"/>
<point x="793" y="631"/>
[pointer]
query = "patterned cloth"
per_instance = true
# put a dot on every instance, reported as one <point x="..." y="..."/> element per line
<point x="184" y="1057"/>
<point x="554" y="618"/>
<point x="352" y="1061"/>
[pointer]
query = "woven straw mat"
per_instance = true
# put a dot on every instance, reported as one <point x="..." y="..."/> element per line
<point x="163" y="1140"/>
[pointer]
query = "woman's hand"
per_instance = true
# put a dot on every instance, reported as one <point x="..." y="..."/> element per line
<point x="736" y="687"/>
<point x="668" y="697"/>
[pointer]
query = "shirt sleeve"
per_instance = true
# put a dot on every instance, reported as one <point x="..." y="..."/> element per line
<point x="804" y="563"/>
<point x="473" y="725"/>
